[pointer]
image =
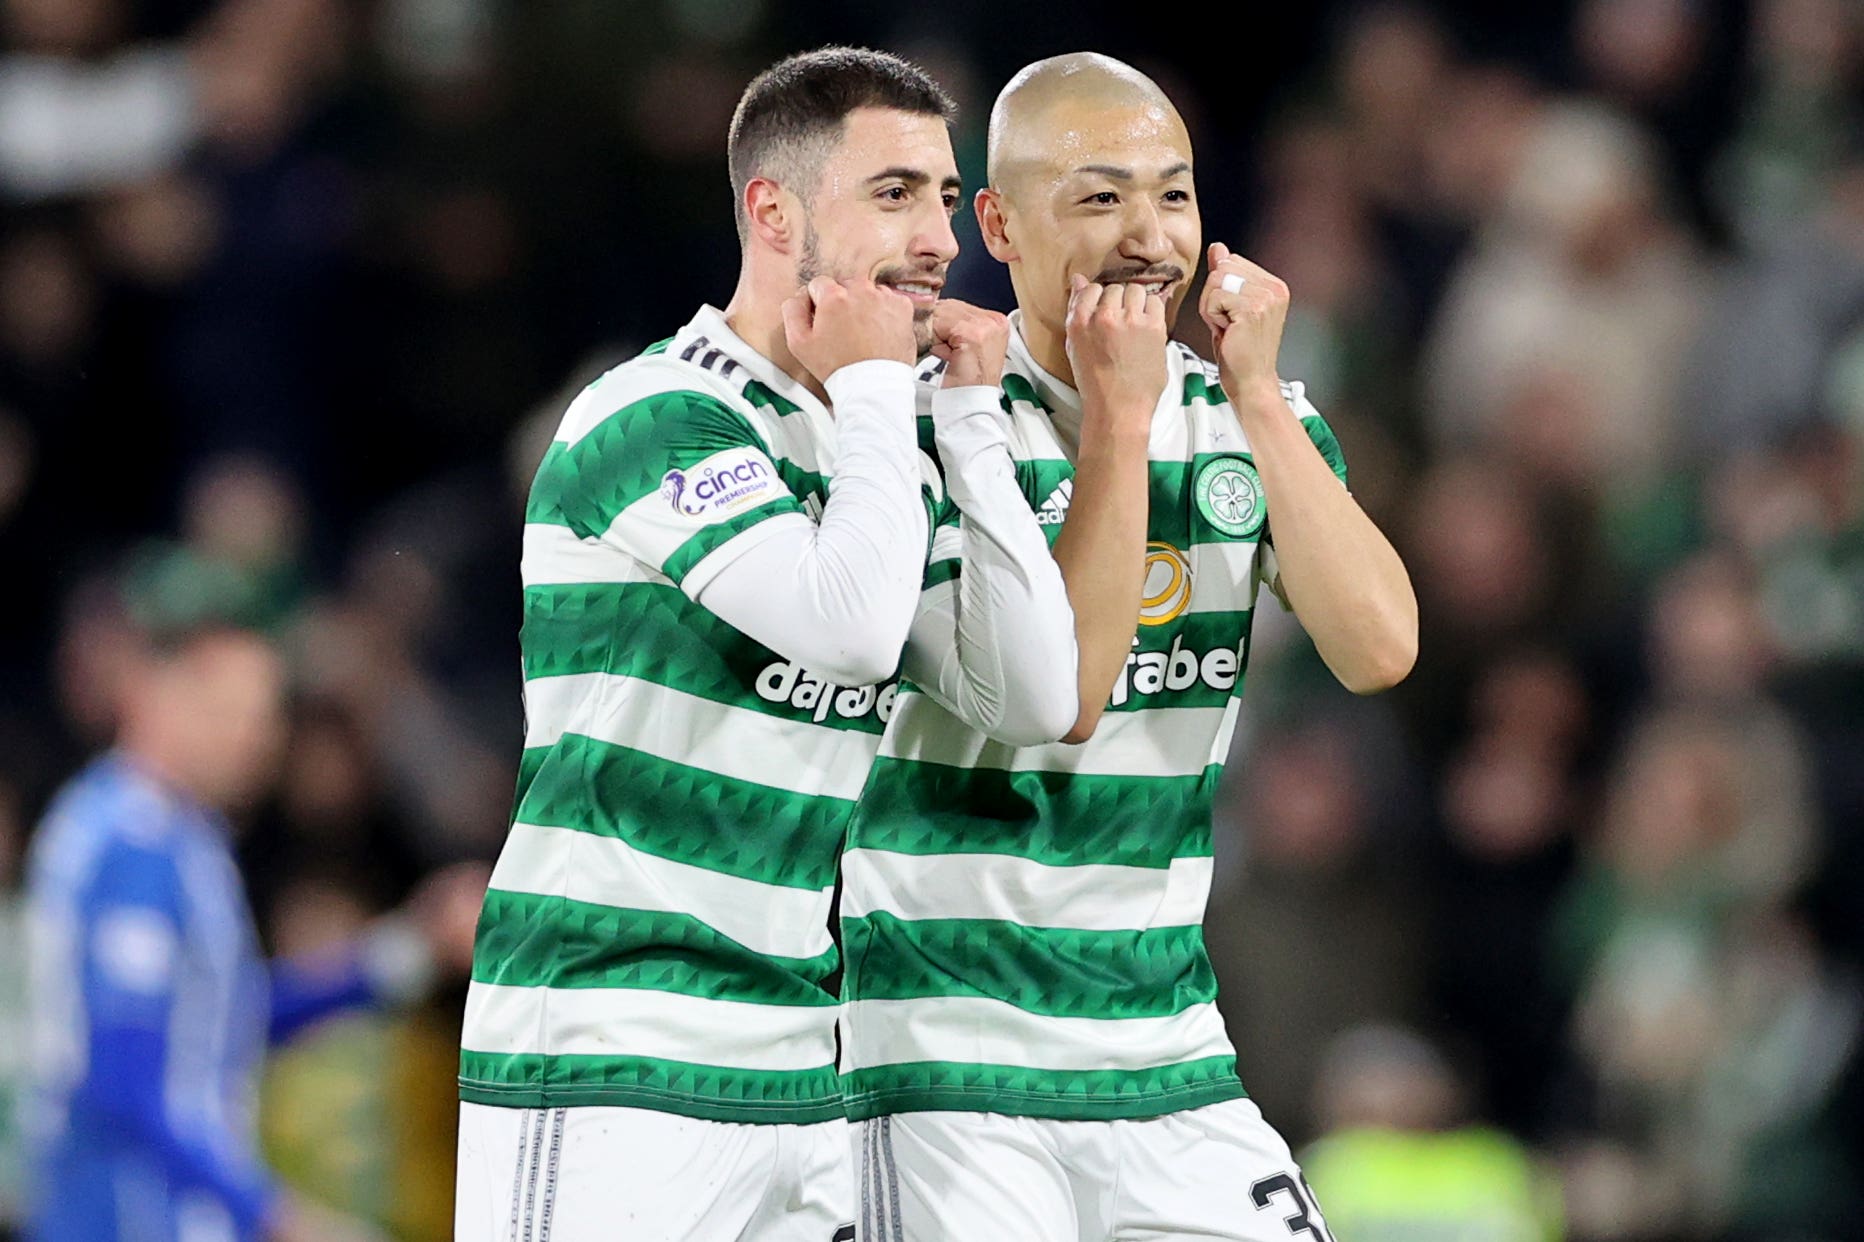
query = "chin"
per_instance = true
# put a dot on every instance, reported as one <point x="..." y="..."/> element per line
<point x="923" y="340"/>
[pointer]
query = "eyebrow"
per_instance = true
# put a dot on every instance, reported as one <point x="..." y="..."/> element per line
<point x="1126" y="174"/>
<point x="915" y="178"/>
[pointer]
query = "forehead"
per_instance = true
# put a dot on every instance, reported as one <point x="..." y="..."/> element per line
<point x="873" y="139"/>
<point x="1145" y="138"/>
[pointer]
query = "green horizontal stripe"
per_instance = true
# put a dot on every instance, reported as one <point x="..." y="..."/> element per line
<point x="941" y="571"/>
<point x="711" y="1092"/>
<point x="709" y="539"/>
<point x="1017" y="1091"/>
<point x="687" y="814"/>
<point x="1197" y="387"/>
<point x="544" y="504"/>
<point x="654" y="632"/>
<point x="761" y="394"/>
<point x="1057" y="818"/>
<point x="1196" y="631"/>
<point x="1329" y="445"/>
<point x="1017" y="388"/>
<point x="1171" y="665"/>
<point x="802" y="483"/>
<point x="532" y="940"/>
<point x="1061" y="973"/>
<point x="585" y="485"/>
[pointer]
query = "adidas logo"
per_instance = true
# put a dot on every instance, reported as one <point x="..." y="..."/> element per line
<point x="1055" y="508"/>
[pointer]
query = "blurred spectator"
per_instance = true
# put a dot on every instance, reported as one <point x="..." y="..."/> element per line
<point x="150" y="1003"/>
<point x="1317" y="933"/>
<point x="1801" y="115"/>
<point x="1711" y="1034"/>
<point x="1561" y="339"/>
<point x="1401" y="1159"/>
<point x="1509" y="799"/>
<point x="1772" y="356"/>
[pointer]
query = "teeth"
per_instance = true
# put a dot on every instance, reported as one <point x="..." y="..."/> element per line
<point x="922" y="290"/>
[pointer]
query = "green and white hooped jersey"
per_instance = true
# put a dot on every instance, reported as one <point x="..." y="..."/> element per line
<point x="1022" y="928"/>
<point x="657" y="930"/>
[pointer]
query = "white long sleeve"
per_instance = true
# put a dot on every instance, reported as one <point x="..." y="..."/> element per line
<point x="995" y="645"/>
<point x="838" y="596"/>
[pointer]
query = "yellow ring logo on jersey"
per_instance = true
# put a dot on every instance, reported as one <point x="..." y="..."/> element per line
<point x="1167" y="590"/>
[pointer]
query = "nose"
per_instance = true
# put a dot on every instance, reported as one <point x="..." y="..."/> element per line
<point x="935" y="239"/>
<point x="1145" y="238"/>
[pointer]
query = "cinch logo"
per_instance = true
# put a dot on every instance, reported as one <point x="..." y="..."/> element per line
<point x="1150" y="672"/>
<point x="1167" y="591"/>
<point x="722" y="484"/>
<point x="789" y="683"/>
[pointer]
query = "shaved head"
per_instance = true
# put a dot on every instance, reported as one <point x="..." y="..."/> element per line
<point x="1090" y="179"/>
<point x="1036" y="122"/>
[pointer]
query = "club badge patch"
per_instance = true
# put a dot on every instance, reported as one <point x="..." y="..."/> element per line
<point x="1229" y="495"/>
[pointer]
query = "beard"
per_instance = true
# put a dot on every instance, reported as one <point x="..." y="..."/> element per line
<point x="809" y="266"/>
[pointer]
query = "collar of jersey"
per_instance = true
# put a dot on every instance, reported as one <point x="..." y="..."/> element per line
<point x="1064" y="402"/>
<point x="710" y="323"/>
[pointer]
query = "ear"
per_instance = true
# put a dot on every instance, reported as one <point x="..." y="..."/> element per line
<point x="993" y="222"/>
<point x="771" y="214"/>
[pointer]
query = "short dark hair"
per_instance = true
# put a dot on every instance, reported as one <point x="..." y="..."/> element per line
<point x="793" y="112"/>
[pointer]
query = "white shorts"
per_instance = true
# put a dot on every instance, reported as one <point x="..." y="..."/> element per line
<point x="1219" y="1172"/>
<point x="607" y="1174"/>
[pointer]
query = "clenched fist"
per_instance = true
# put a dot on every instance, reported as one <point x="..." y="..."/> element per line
<point x="972" y="341"/>
<point x="830" y="324"/>
<point x="1116" y="345"/>
<point x="1245" y="321"/>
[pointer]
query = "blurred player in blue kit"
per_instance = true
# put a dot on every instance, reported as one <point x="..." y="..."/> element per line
<point x="152" y="1007"/>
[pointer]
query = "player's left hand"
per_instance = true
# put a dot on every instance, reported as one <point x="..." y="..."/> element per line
<point x="972" y="341"/>
<point x="1245" y="319"/>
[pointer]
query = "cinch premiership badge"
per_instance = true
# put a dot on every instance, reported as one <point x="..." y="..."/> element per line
<point x="1229" y="495"/>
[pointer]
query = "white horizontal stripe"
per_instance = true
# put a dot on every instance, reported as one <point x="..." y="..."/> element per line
<point x="1165" y="741"/>
<point x="1223" y="576"/>
<point x="947" y="542"/>
<point x="978" y="1031"/>
<point x="737" y="742"/>
<point x="636" y="380"/>
<point x="555" y="555"/>
<point x="1089" y="897"/>
<point x="637" y="1022"/>
<point x="561" y="862"/>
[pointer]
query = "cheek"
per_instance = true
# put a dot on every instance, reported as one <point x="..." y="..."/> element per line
<point x="1187" y="237"/>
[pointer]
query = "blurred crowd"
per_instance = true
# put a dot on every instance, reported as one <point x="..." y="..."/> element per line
<point x="1560" y="939"/>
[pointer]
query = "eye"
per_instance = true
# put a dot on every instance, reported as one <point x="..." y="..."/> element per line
<point x="895" y="194"/>
<point x="1177" y="196"/>
<point x="951" y="204"/>
<point x="1106" y="198"/>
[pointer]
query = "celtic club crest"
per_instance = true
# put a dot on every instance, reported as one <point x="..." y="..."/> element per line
<point x="1229" y="495"/>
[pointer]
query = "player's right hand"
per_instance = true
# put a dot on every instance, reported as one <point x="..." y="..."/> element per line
<point x="830" y="324"/>
<point x="1116" y="343"/>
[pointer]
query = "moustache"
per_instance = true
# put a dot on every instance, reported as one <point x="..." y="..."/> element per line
<point x="1126" y="275"/>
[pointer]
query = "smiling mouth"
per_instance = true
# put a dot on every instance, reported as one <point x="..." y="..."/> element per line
<point x="1159" y="286"/>
<point x="922" y="292"/>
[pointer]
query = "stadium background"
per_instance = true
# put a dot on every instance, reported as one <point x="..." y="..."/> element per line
<point x="291" y="292"/>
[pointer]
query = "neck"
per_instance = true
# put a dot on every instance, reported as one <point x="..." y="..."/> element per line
<point x="157" y="762"/>
<point x="755" y="313"/>
<point x="1049" y="348"/>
